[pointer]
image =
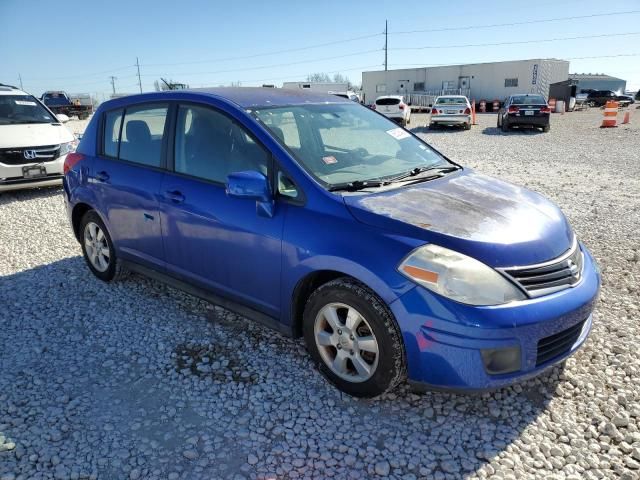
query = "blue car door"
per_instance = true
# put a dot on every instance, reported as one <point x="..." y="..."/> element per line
<point x="127" y="177"/>
<point x="221" y="243"/>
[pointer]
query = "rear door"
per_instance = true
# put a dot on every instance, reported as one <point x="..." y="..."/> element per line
<point x="127" y="177"/>
<point x="218" y="242"/>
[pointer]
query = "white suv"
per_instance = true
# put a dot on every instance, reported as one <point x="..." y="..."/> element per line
<point x="33" y="142"/>
<point x="393" y="107"/>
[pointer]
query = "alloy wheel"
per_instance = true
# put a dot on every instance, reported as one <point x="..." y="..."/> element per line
<point x="96" y="247"/>
<point x="346" y="342"/>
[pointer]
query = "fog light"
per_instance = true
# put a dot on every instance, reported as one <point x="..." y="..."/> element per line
<point x="501" y="360"/>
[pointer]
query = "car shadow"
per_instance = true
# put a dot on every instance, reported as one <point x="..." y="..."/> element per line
<point x="445" y="130"/>
<point x="86" y="344"/>
<point x="30" y="194"/>
<point x="512" y="131"/>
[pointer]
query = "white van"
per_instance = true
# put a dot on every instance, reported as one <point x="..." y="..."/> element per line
<point x="33" y="142"/>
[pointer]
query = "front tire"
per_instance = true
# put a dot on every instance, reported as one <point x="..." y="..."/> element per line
<point x="98" y="249"/>
<point x="354" y="339"/>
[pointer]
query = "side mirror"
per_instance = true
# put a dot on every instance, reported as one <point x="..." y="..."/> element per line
<point x="62" y="118"/>
<point x="250" y="185"/>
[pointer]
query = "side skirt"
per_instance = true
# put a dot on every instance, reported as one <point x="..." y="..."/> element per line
<point x="211" y="297"/>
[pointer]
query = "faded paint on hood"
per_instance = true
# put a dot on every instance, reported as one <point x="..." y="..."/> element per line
<point x="33" y="135"/>
<point x="494" y="221"/>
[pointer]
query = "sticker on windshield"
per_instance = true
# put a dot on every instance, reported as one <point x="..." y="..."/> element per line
<point x="25" y="102"/>
<point x="398" y="133"/>
<point x="330" y="160"/>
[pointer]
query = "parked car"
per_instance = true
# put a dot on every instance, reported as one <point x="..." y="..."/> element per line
<point x="524" y="110"/>
<point x="33" y="142"/>
<point x="323" y="219"/>
<point x="625" y="99"/>
<point x="349" y="94"/>
<point x="452" y="110"/>
<point x="598" y="98"/>
<point x="61" y="102"/>
<point x="393" y="107"/>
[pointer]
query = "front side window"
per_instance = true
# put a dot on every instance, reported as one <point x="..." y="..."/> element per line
<point x="210" y="145"/>
<point x="142" y="133"/>
<point x="23" y="109"/>
<point x="341" y="143"/>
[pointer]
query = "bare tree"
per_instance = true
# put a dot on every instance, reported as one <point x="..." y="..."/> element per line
<point x="319" y="77"/>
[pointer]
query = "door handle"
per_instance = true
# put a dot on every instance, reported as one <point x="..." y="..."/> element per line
<point x="174" y="195"/>
<point x="102" y="176"/>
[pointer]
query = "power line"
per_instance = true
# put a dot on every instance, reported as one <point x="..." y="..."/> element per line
<point x="262" y="67"/>
<point x="264" y="54"/>
<point x="81" y="75"/>
<point x="520" y="42"/>
<point x="512" y="24"/>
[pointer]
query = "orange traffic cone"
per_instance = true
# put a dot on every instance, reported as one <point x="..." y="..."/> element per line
<point x="627" y="118"/>
<point x="610" y="115"/>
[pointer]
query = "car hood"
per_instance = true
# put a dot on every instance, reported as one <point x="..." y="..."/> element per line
<point x="33" y="135"/>
<point x="493" y="221"/>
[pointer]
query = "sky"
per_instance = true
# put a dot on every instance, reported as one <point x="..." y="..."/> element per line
<point x="77" y="45"/>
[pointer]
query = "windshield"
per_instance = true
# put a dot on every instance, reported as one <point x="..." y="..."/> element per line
<point x="451" y="101"/>
<point x="17" y="109"/>
<point x="528" y="100"/>
<point x="340" y="143"/>
<point x="55" y="99"/>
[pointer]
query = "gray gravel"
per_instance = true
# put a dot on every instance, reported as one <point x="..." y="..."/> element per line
<point x="136" y="380"/>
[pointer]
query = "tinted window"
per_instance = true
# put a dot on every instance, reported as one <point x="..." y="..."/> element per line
<point x="451" y="101"/>
<point x="142" y="133"/>
<point x="210" y="145"/>
<point x="112" y="121"/>
<point x="528" y="100"/>
<point x="387" y="101"/>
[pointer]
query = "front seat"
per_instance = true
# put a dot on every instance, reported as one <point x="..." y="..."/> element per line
<point x="138" y="147"/>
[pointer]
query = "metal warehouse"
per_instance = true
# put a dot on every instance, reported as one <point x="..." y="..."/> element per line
<point x="588" y="81"/>
<point x="488" y="81"/>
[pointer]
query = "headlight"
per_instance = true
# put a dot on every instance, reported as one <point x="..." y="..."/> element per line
<point x="68" y="147"/>
<point x="458" y="277"/>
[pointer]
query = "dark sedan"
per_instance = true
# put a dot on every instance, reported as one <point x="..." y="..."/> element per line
<point x="524" y="110"/>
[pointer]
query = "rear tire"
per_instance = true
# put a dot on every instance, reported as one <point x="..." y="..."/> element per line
<point x="505" y="126"/>
<point x="354" y="339"/>
<point x="98" y="250"/>
<point x="546" y="128"/>
<point x="467" y="126"/>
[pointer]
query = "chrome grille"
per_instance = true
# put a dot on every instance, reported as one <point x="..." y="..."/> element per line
<point x="553" y="276"/>
<point x="16" y="156"/>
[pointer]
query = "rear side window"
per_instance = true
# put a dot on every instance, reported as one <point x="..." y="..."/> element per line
<point x="388" y="101"/>
<point x="112" y="122"/>
<point x="142" y="133"/>
<point x="210" y="145"/>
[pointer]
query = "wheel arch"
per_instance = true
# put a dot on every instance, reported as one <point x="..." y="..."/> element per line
<point x="79" y="210"/>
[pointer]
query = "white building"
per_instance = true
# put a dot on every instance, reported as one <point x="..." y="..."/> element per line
<point x="320" y="87"/>
<point x="479" y="81"/>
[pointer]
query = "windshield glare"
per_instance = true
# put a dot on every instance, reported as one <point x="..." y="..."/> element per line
<point x="342" y="143"/>
<point x="451" y="101"/>
<point x="18" y="109"/>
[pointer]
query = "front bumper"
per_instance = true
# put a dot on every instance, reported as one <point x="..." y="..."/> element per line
<point x="12" y="178"/>
<point x="444" y="339"/>
<point x="450" y="119"/>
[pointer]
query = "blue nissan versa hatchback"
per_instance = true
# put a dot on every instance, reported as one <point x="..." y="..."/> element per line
<point x="323" y="219"/>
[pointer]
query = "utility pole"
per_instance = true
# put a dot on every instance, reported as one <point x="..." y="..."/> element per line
<point x="113" y="83"/>
<point x="386" y="34"/>
<point x="20" y="78"/>
<point x="139" y="81"/>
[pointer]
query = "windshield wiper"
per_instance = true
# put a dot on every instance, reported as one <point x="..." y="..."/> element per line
<point x="438" y="171"/>
<point x="356" y="185"/>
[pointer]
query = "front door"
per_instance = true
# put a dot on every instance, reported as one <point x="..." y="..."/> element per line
<point x="127" y="177"/>
<point x="221" y="243"/>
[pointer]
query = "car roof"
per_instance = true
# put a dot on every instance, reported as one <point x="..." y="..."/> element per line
<point x="10" y="90"/>
<point x="244" y="97"/>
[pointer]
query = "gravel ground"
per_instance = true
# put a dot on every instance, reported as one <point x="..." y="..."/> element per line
<point x="136" y="380"/>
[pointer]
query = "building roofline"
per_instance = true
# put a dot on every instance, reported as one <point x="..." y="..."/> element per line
<point x="471" y="64"/>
